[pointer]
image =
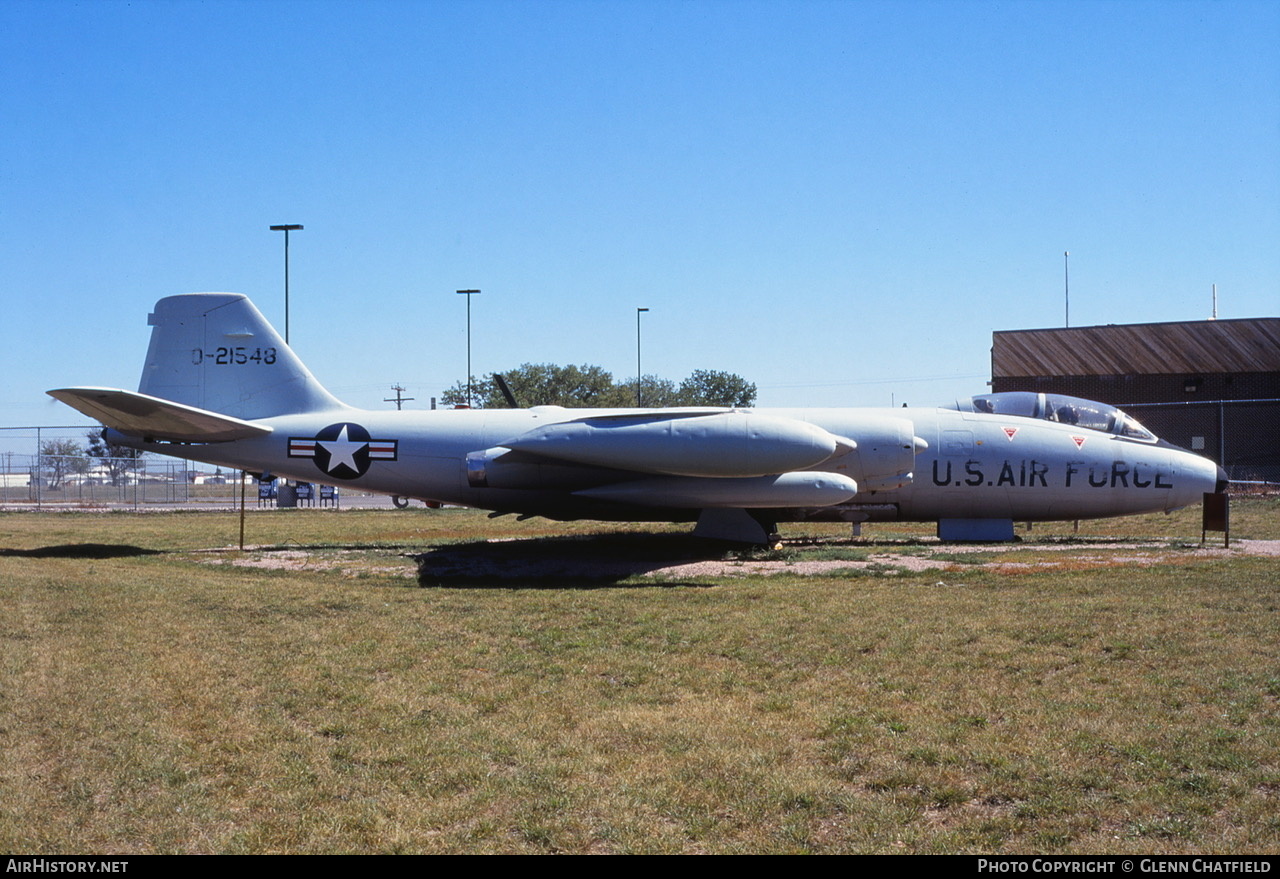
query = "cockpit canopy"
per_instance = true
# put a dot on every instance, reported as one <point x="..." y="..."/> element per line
<point x="1065" y="410"/>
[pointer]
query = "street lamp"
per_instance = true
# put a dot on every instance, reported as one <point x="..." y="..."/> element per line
<point x="638" y="379"/>
<point x="468" y="294"/>
<point x="294" y="227"/>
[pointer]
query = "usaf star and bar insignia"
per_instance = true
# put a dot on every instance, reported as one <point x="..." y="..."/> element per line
<point x="344" y="450"/>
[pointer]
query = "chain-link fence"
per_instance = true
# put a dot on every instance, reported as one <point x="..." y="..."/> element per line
<point x="1241" y="435"/>
<point x="80" y="480"/>
<point x="71" y="466"/>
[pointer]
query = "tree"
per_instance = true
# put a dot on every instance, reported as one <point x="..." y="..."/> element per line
<point x="481" y="392"/>
<point x="656" y="393"/>
<point x="709" y="387"/>
<point x="117" y="460"/>
<point x="59" y="458"/>
<point x="542" y="384"/>
<point x="546" y="384"/>
<point x="590" y="387"/>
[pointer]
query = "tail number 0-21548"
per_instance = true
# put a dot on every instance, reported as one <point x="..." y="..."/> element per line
<point x="238" y="356"/>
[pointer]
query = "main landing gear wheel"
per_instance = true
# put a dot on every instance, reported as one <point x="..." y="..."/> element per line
<point x="402" y="503"/>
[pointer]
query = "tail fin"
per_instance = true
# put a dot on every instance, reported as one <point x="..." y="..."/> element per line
<point x="216" y="351"/>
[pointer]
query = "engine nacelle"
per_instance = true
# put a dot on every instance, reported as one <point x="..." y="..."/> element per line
<point x="885" y="456"/>
<point x="502" y="468"/>
<point x="738" y="443"/>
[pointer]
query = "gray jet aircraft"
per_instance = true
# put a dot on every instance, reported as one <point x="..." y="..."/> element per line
<point x="220" y="386"/>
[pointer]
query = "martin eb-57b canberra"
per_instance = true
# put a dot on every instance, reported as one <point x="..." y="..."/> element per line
<point x="220" y="386"/>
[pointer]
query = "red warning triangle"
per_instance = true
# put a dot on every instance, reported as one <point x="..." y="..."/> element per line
<point x="1009" y="432"/>
<point x="1079" y="441"/>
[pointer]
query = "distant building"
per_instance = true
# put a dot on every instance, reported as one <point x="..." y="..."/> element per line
<point x="1210" y="386"/>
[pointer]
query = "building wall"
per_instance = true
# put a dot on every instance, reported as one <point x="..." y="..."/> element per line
<point x="1216" y="413"/>
<point x="1121" y="389"/>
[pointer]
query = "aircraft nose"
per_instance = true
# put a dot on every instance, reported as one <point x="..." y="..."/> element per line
<point x="1200" y="476"/>
<point x="1208" y="476"/>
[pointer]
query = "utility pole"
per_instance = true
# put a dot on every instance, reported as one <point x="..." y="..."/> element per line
<point x="397" y="399"/>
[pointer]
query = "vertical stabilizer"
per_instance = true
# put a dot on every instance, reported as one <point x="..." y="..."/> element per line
<point x="216" y="351"/>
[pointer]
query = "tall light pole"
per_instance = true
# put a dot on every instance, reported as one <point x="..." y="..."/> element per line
<point x="1066" y="284"/>
<point x="638" y="374"/>
<point x="468" y="294"/>
<point x="293" y="227"/>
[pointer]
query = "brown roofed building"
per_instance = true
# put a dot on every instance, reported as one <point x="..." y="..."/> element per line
<point x="1210" y="386"/>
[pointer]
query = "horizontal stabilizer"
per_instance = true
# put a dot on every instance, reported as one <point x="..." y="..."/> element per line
<point x="154" y="418"/>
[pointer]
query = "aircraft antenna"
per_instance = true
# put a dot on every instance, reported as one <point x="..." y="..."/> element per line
<point x="506" y="391"/>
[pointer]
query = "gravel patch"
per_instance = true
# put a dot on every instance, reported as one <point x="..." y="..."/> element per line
<point x="606" y="558"/>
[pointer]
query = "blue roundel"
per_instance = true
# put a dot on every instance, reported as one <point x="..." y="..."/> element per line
<point x="343" y="450"/>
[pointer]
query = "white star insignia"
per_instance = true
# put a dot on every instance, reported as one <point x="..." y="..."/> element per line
<point x="342" y="451"/>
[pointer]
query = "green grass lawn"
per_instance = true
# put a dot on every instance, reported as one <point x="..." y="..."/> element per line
<point x="157" y="698"/>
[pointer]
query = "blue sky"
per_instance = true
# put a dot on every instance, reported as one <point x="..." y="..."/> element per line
<point x="839" y="201"/>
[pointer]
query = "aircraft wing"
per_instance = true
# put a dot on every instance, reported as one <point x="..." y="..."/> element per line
<point x="154" y="418"/>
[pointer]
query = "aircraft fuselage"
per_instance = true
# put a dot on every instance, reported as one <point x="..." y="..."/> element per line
<point x="219" y="385"/>
<point x="975" y="465"/>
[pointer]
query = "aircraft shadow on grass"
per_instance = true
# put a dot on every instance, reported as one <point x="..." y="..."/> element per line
<point x="81" y="551"/>
<point x="581" y="561"/>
